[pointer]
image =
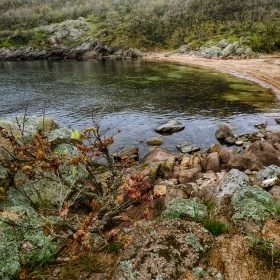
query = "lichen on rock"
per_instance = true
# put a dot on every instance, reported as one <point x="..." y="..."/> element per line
<point x="165" y="250"/>
<point x="251" y="206"/>
<point x="180" y="208"/>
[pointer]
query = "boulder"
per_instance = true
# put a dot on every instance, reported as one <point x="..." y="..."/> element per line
<point x="251" y="206"/>
<point x="180" y="208"/>
<point x="212" y="162"/>
<point x="214" y="148"/>
<point x="230" y="141"/>
<point x="157" y="155"/>
<point x="170" y="127"/>
<point x="183" y="191"/>
<point x="223" y="132"/>
<point x="275" y="191"/>
<point x="245" y="161"/>
<point x="158" y="250"/>
<point x="228" y="50"/>
<point x="265" y="152"/>
<point x="189" y="175"/>
<point x="126" y="153"/>
<point x="225" y="155"/>
<point x="222" y="43"/>
<point x="229" y="184"/>
<point x="184" y="48"/>
<point x="268" y="172"/>
<point x="187" y="147"/>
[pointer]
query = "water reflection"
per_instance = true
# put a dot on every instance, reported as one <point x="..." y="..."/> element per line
<point x="143" y="95"/>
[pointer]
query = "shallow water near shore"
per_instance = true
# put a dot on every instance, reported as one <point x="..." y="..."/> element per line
<point x="141" y="95"/>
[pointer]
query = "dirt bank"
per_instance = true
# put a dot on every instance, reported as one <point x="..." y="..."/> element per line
<point x="264" y="70"/>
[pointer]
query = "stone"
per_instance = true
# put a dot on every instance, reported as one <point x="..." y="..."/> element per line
<point x="214" y="148"/>
<point x="62" y="135"/>
<point x="268" y="172"/>
<point x="170" y="127"/>
<point x="157" y="155"/>
<point x="187" y="147"/>
<point x="127" y="153"/>
<point x="261" y="125"/>
<point x="275" y="191"/>
<point x="245" y="161"/>
<point x="188" y="175"/>
<point x="239" y="143"/>
<point x="212" y="162"/>
<point x="190" y="161"/>
<point x="183" y="191"/>
<point x="154" y="244"/>
<point x="5" y="178"/>
<point x="155" y="141"/>
<point x="228" y="125"/>
<point x="230" y="141"/>
<point x="231" y="182"/>
<point x="265" y="152"/>
<point x="223" y="132"/>
<point x="160" y="189"/>
<point x="251" y="206"/>
<point x="183" y="48"/>
<point x="228" y="50"/>
<point x="225" y="155"/>
<point x="222" y="43"/>
<point x="179" y="208"/>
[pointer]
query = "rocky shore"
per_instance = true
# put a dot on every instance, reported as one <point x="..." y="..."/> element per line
<point x="216" y="213"/>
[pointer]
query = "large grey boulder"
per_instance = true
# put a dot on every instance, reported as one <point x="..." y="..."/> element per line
<point x="229" y="49"/>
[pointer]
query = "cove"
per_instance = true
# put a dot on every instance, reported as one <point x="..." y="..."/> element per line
<point x="141" y="95"/>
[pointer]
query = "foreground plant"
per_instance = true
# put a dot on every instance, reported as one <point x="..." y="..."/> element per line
<point x="36" y="157"/>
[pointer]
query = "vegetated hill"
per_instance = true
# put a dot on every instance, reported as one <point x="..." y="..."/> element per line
<point x="148" y="24"/>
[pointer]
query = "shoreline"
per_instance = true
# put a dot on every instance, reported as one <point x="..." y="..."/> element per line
<point x="264" y="70"/>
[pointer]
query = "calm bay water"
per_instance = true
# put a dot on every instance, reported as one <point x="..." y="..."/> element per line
<point x="141" y="95"/>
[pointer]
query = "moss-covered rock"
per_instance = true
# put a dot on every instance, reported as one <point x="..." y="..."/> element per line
<point x="22" y="240"/>
<point x="251" y="206"/>
<point x="180" y="208"/>
<point x="165" y="250"/>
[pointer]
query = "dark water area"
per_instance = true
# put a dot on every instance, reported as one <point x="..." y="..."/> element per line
<point x="141" y="95"/>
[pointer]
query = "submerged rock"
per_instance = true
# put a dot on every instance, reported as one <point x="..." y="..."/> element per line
<point x="170" y="127"/>
<point x="155" y="141"/>
<point x="188" y="147"/>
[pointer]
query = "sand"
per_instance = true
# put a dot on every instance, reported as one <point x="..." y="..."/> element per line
<point x="264" y="70"/>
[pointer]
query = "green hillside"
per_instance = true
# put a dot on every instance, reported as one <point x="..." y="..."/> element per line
<point x="148" y="24"/>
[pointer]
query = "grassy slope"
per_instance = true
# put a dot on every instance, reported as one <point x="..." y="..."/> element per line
<point x="147" y="25"/>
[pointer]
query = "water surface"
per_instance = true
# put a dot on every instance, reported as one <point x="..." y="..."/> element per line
<point x="141" y="95"/>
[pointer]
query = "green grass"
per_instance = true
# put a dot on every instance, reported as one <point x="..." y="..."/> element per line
<point x="215" y="227"/>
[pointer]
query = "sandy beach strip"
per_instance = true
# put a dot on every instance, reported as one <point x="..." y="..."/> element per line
<point x="264" y="70"/>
